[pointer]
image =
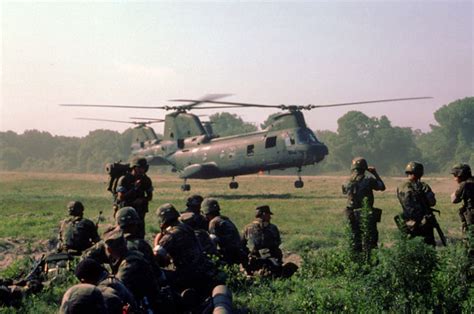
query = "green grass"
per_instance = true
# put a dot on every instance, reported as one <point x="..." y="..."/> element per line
<point x="32" y="205"/>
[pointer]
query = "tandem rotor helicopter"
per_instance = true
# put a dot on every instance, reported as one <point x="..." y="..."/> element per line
<point x="194" y="152"/>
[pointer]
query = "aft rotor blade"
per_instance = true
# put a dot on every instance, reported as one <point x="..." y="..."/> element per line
<point x="366" y="102"/>
<point x="114" y="106"/>
<point x="230" y="103"/>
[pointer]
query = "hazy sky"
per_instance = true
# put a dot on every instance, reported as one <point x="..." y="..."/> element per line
<point x="262" y="52"/>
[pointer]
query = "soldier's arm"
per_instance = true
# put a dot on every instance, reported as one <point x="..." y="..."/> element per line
<point x="429" y="194"/>
<point x="457" y="196"/>
<point x="124" y="189"/>
<point x="378" y="184"/>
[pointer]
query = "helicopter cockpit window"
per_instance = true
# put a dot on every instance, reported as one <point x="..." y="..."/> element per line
<point x="250" y="150"/>
<point x="180" y="143"/>
<point x="305" y="137"/>
<point x="270" y="142"/>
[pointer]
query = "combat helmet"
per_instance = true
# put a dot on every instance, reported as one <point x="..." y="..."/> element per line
<point x="167" y="213"/>
<point x="462" y="171"/>
<point x="359" y="163"/>
<point x="139" y="162"/>
<point x="194" y="201"/>
<point x="210" y="206"/>
<point x="75" y="208"/>
<point x="82" y="298"/>
<point x="415" y="168"/>
<point x="126" y="216"/>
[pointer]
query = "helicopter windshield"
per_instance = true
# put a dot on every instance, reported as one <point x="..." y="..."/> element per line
<point x="305" y="136"/>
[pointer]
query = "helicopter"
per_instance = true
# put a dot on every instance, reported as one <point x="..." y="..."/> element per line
<point x="194" y="152"/>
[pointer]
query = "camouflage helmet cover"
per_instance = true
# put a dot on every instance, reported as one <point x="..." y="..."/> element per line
<point x="461" y="170"/>
<point x="139" y="162"/>
<point x="126" y="216"/>
<point x="210" y="206"/>
<point x="359" y="163"/>
<point x="75" y="208"/>
<point x="264" y="209"/>
<point x="194" y="201"/>
<point x="415" y="168"/>
<point x="82" y="298"/>
<point x="167" y="213"/>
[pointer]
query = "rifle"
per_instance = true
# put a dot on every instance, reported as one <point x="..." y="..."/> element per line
<point x="434" y="222"/>
<point x="36" y="269"/>
<point x="99" y="219"/>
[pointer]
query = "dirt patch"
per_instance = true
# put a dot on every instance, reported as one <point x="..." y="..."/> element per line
<point x="12" y="249"/>
<point x="293" y="258"/>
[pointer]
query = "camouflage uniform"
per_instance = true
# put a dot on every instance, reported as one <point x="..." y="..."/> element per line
<point x="136" y="190"/>
<point x="262" y="239"/>
<point x="177" y="241"/>
<point x="76" y="234"/>
<point x="360" y="187"/>
<point x="83" y="298"/>
<point x="416" y="199"/>
<point x="192" y="214"/>
<point x="228" y="239"/>
<point x="207" y="245"/>
<point x="133" y="270"/>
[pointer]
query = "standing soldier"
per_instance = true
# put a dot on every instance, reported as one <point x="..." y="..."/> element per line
<point x="465" y="194"/>
<point x="76" y="233"/>
<point x="416" y="198"/>
<point x="262" y="239"/>
<point x="359" y="187"/>
<point x="224" y="232"/>
<point x="135" y="189"/>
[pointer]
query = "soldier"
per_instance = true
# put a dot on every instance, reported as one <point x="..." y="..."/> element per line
<point x="127" y="219"/>
<point x="193" y="212"/>
<point x="465" y="194"/>
<point x="224" y="232"/>
<point x="117" y="297"/>
<point x="133" y="270"/>
<point x="135" y="189"/>
<point x="360" y="187"/>
<point x="76" y="233"/>
<point x="416" y="198"/>
<point x="83" y="298"/>
<point x="178" y="243"/>
<point x="262" y="239"/>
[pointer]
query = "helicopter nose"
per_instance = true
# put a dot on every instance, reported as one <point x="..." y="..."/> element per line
<point x="317" y="152"/>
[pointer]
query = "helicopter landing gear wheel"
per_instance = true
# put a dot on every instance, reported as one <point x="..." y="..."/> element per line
<point x="299" y="184"/>
<point x="233" y="185"/>
<point x="185" y="187"/>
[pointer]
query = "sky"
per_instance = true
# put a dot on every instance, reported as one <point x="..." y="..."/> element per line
<point x="272" y="52"/>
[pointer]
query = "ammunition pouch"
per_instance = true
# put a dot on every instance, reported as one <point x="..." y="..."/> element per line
<point x="377" y="214"/>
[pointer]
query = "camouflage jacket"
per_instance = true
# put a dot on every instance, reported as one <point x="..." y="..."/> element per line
<point x="260" y="235"/>
<point x="465" y="194"/>
<point x="416" y="199"/>
<point x="136" y="190"/>
<point x="195" y="221"/>
<point x="228" y="237"/>
<point x="361" y="186"/>
<point x="77" y="233"/>
<point x="116" y="295"/>
<point x="183" y="247"/>
<point x="136" y="273"/>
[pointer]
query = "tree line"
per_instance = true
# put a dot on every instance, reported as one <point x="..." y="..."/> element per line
<point x="386" y="146"/>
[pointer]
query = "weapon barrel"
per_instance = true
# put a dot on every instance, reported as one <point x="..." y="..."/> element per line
<point x="222" y="299"/>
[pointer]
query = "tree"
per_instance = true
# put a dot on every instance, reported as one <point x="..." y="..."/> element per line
<point x="267" y="122"/>
<point x="225" y="124"/>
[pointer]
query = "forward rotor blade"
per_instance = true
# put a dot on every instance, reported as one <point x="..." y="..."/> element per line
<point x="119" y="121"/>
<point x="205" y="99"/>
<point x="149" y="119"/>
<point x="367" y="102"/>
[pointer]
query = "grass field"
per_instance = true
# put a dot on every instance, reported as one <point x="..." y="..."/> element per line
<point x="32" y="206"/>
